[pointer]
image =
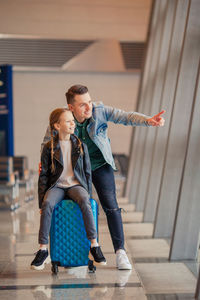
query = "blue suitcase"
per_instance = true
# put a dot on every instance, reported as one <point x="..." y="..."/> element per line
<point x="69" y="246"/>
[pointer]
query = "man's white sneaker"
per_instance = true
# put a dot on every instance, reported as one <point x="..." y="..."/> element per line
<point x="122" y="260"/>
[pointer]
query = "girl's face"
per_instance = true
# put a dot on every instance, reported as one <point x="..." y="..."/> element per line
<point x="66" y="124"/>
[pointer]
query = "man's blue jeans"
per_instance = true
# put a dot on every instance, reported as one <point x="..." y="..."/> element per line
<point x="104" y="182"/>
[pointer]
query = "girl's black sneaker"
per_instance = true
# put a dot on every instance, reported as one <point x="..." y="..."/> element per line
<point x="97" y="256"/>
<point x="41" y="258"/>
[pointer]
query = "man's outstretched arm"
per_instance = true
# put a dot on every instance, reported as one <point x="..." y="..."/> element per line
<point x="119" y="116"/>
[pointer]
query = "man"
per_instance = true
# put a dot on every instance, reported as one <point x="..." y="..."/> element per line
<point x="91" y="127"/>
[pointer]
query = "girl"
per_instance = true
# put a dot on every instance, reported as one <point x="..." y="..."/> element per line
<point x="65" y="172"/>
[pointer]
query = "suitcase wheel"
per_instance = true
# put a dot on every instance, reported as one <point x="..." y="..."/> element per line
<point x="54" y="268"/>
<point x="91" y="267"/>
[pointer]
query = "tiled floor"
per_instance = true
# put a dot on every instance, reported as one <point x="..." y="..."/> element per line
<point x="152" y="277"/>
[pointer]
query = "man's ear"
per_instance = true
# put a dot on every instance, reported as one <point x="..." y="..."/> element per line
<point x="70" y="106"/>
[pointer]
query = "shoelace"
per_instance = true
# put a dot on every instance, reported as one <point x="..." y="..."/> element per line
<point x="98" y="251"/>
<point x="123" y="256"/>
<point x="38" y="254"/>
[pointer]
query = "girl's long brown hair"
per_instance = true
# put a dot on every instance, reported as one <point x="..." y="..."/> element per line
<point x="55" y="118"/>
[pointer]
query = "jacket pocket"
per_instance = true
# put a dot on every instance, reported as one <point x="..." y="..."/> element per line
<point x="102" y="129"/>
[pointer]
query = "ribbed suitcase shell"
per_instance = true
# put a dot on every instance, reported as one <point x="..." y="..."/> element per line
<point x="69" y="246"/>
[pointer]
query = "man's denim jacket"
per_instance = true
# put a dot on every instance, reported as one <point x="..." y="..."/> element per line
<point x="97" y="127"/>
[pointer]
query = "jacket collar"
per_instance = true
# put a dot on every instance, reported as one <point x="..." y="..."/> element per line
<point x="57" y="152"/>
<point x="75" y="150"/>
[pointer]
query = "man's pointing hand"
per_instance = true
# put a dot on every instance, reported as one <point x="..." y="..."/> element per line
<point x="157" y="120"/>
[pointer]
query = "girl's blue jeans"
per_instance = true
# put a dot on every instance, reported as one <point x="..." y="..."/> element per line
<point x="55" y="195"/>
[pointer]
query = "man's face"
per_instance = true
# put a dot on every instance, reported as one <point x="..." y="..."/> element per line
<point x="81" y="107"/>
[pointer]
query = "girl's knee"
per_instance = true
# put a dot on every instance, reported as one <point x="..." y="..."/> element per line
<point x="47" y="205"/>
<point x="84" y="202"/>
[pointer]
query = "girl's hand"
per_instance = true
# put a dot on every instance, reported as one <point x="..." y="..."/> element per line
<point x="40" y="211"/>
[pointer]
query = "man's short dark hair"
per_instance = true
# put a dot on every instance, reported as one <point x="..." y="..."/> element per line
<point x="77" y="89"/>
